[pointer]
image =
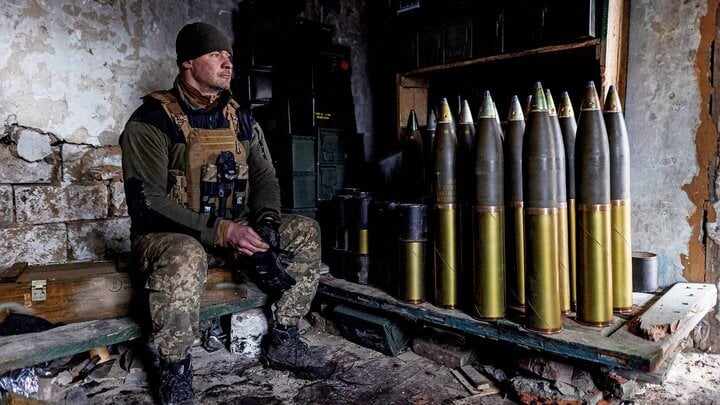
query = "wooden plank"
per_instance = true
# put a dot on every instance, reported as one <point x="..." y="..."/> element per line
<point x="80" y="292"/>
<point x="412" y="94"/>
<point x="19" y="351"/>
<point x="620" y="349"/>
<point x="612" y="48"/>
<point x="479" y="381"/>
<point x="672" y="311"/>
<point x="506" y="56"/>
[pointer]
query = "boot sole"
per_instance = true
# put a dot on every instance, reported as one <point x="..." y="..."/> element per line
<point x="305" y="375"/>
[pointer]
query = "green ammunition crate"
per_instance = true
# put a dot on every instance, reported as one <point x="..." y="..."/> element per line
<point x="302" y="153"/>
<point x="376" y="332"/>
<point x="331" y="178"/>
<point x="332" y="146"/>
<point x="458" y="41"/>
<point x="298" y="190"/>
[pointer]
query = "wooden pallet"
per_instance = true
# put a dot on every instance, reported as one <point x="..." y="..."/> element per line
<point x="680" y="308"/>
<point x="25" y="350"/>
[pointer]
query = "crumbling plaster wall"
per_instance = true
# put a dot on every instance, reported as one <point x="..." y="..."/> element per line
<point x="672" y="113"/>
<point x="663" y="113"/>
<point x="71" y="73"/>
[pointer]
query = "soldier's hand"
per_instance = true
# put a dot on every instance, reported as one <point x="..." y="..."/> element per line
<point x="245" y="240"/>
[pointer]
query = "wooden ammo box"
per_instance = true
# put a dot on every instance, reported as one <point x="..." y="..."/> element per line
<point x="77" y="292"/>
<point x="369" y="330"/>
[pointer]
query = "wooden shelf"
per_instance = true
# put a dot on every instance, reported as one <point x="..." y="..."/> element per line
<point x="602" y="59"/>
<point x="591" y="43"/>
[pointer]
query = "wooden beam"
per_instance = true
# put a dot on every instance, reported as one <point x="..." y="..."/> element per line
<point x="613" y="346"/>
<point x="590" y="43"/>
<point x="613" y="49"/>
<point x="673" y="311"/>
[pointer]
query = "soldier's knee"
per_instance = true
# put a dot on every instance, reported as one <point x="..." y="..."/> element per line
<point x="310" y="226"/>
<point x="188" y="253"/>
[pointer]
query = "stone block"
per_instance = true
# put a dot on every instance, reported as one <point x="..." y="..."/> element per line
<point x="98" y="240"/>
<point x="442" y="353"/>
<point x="39" y="244"/>
<point x="547" y="369"/>
<point x="247" y="330"/>
<point x="44" y="204"/>
<point x="32" y="145"/>
<point x="118" y="204"/>
<point x="14" y="170"/>
<point x="537" y="391"/>
<point x="619" y="387"/>
<point x="7" y="206"/>
<point x="83" y="163"/>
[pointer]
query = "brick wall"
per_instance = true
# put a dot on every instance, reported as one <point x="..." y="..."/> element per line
<point x="71" y="73"/>
<point x="59" y="202"/>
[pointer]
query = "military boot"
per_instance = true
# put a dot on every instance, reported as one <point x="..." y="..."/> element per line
<point x="175" y="382"/>
<point x="285" y="351"/>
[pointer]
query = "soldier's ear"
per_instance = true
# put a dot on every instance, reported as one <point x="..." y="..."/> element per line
<point x="186" y="64"/>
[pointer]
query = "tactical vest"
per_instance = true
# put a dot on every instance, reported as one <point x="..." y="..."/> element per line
<point x="215" y="180"/>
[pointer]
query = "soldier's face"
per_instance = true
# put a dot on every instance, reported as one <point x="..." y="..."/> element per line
<point x="211" y="72"/>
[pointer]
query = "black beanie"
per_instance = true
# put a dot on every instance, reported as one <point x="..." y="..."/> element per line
<point x="199" y="38"/>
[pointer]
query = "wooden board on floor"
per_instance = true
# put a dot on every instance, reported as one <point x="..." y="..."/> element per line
<point x="78" y="292"/>
<point x="614" y="346"/>
<point x="19" y="351"/>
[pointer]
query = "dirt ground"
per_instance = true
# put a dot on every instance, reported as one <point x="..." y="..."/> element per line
<point x="365" y="377"/>
<point x="694" y="378"/>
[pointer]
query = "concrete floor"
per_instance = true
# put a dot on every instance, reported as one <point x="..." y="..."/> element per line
<point x="366" y="377"/>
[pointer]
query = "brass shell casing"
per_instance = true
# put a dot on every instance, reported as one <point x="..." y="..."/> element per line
<point x="572" y="257"/>
<point x="540" y="200"/>
<point x="445" y="252"/>
<point x="358" y="211"/>
<point x="620" y="200"/>
<point x="412" y="271"/>
<point x="621" y="255"/>
<point x="568" y="128"/>
<point x="563" y="259"/>
<point x="593" y="196"/>
<point x="445" y="256"/>
<point x="542" y="307"/>
<point x="363" y="242"/>
<point x="488" y="262"/>
<point x="515" y="272"/>
<point x="513" y="194"/>
<point x="594" y="305"/>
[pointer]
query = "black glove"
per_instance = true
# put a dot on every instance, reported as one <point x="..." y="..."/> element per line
<point x="270" y="265"/>
<point x="269" y="230"/>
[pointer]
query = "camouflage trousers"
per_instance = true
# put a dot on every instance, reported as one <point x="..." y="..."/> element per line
<point x="175" y="268"/>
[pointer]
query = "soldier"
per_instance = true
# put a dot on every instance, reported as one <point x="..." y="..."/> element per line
<point x="192" y="158"/>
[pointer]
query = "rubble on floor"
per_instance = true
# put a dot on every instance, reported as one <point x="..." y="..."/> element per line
<point x="506" y="375"/>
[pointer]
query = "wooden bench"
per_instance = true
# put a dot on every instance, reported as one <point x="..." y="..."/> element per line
<point x="80" y="294"/>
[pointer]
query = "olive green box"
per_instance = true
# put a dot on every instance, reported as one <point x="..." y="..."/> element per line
<point x="331" y="178"/>
<point x="298" y="190"/>
<point x="374" y="331"/>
